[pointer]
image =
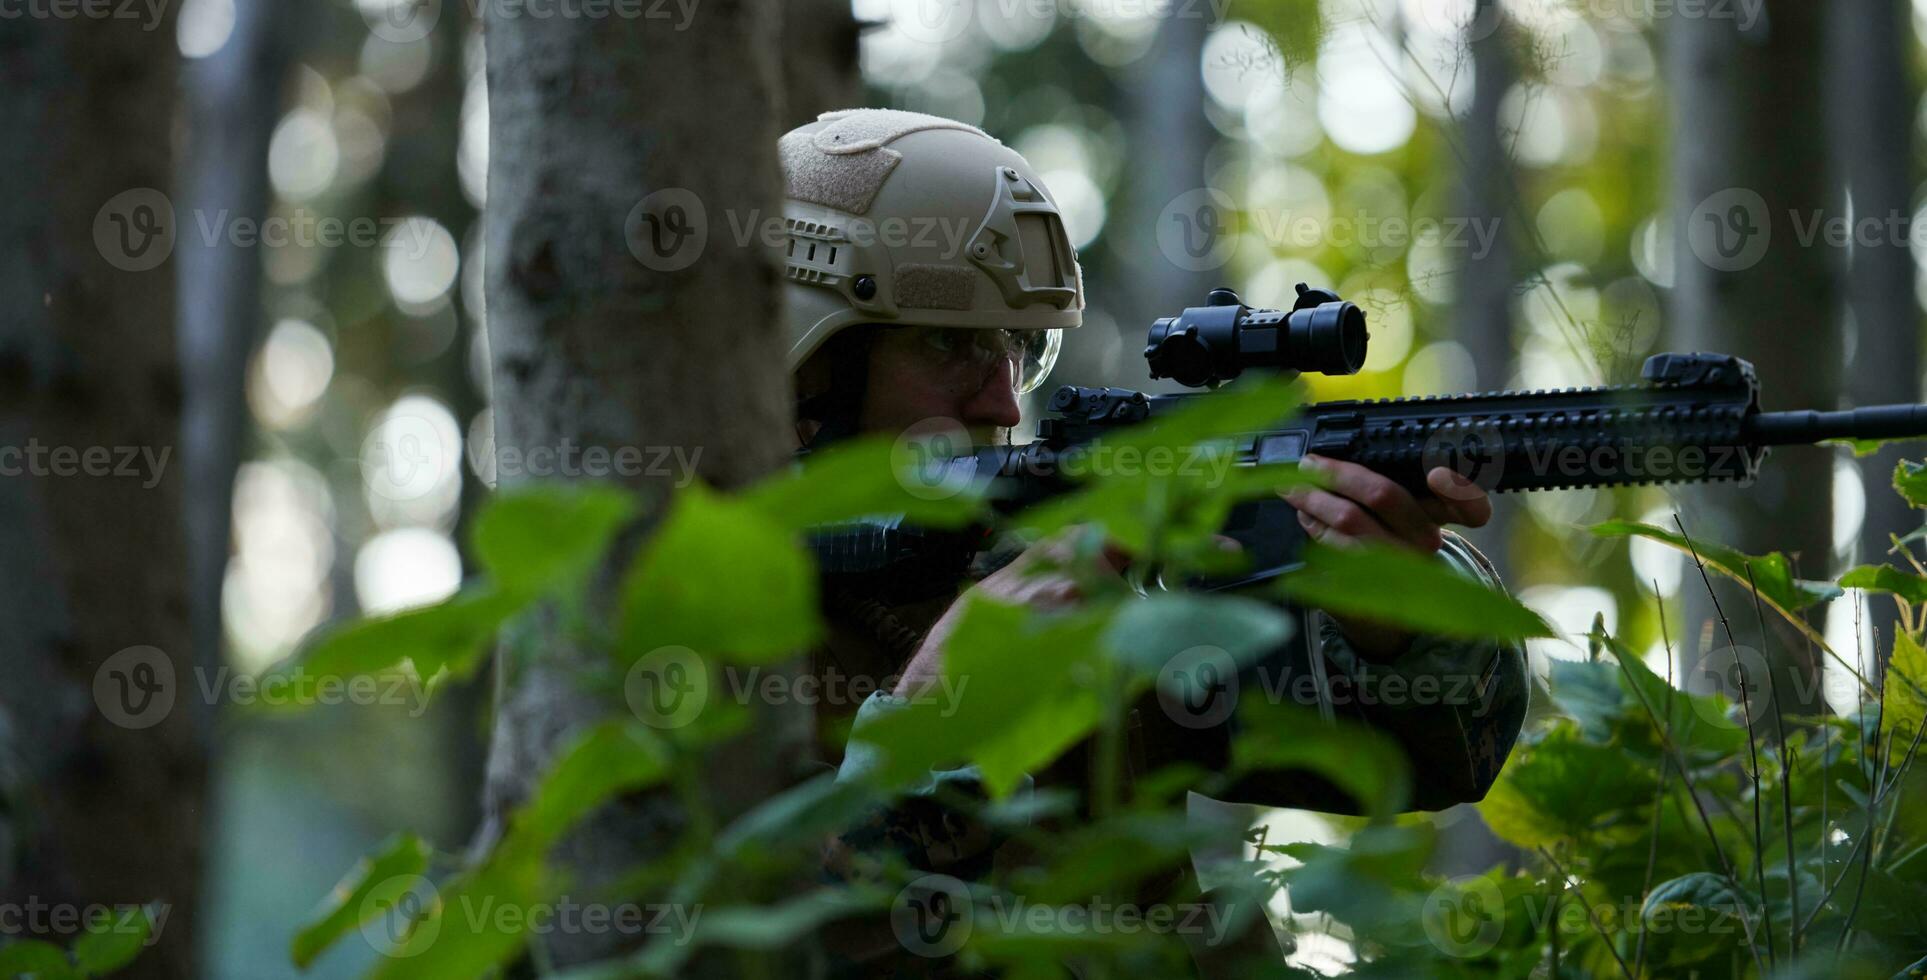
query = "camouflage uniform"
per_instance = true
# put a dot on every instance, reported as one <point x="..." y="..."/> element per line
<point x="1457" y="740"/>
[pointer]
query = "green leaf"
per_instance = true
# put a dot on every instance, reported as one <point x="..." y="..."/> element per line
<point x="113" y="940"/>
<point x="1772" y="573"/>
<point x="769" y="927"/>
<point x="479" y="920"/>
<point x="1910" y="481"/>
<point x="1405" y="588"/>
<point x="1903" y="699"/>
<point x="1700" y="889"/>
<point x="347" y="907"/>
<point x="861" y="478"/>
<point x="721" y="577"/>
<point x="474" y="924"/>
<point x="1015" y="693"/>
<point x="1560" y="788"/>
<point x="455" y="634"/>
<point x="44" y="961"/>
<point x="1861" y="447"/>
<point x="1364" y="762"/>
<point x="1703" y="726"/>
<point x="1148" y="633"/>
<point x="1886" y="578"/>
<point x="612" y="758"/>
<point x="545" y="538"/>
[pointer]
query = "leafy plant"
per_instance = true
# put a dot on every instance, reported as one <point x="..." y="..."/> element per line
<point x="1661" y="831"/>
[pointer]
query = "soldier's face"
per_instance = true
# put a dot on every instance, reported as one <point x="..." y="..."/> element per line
<point x="921" y="373"/>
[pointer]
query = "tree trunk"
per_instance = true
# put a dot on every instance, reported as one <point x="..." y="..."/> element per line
<point x="819" y="52"/>
<point x="101" y="732"/>
<point x="602" y="338"/>
<point x="1870" y="47"/>
<point x="233" y="99"/>
<point x="1749" y="178"/>
<point x="1486" y="281"/>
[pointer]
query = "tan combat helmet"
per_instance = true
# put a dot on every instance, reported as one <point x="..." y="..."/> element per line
<point x="901" y="218"/>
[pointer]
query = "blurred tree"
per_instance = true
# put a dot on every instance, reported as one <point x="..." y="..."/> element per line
<point x="659" y="331"/>
<point x="1170" y="138"/>
<point x="1489" y="193"/>
<point x="233" y="99"/>
<point x="1870" y="47"/>
<point x="102" y="739"/>
<point x="819" y="59"/>
<point x="1749" y="179"/>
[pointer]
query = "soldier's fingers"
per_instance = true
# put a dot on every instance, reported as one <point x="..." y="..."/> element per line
<point x="1391" y="504"/>
<point x="1466" y="502"/>
<point x="1343" y="516"/>
<point x="1322" y="532"/>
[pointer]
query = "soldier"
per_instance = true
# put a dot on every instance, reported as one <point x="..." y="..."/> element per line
<point x="930" y="278"/>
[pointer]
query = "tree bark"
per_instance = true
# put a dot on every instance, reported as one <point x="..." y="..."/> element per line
<point x="1487" y="281"/>
<point x="820" y="67"/>
<point x="1749" y="174"/>
<point x="103" y="795"/>
<point x="1871" y="111"/>
<point x="233" y="99"/>
<point x="605" y="339"/>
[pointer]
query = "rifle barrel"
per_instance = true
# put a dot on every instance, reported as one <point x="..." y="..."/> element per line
<point x="1875" y="422"/>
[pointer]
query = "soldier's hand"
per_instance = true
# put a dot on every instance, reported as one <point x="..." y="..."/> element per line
<point x="1040" y="578"/>
<point x="1360" y="505"/>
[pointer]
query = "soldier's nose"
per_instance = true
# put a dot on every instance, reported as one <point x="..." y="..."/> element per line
<point x="995" y="403"/>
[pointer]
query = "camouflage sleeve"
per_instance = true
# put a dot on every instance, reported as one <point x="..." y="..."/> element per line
<point x="918" y="827"/>
<point x="1455" y="705"/>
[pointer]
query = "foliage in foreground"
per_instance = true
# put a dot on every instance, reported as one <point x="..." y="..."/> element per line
<point x="1661" y="833"/>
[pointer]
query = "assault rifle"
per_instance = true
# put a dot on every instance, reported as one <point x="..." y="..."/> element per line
<point x="1692" y="418"/>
